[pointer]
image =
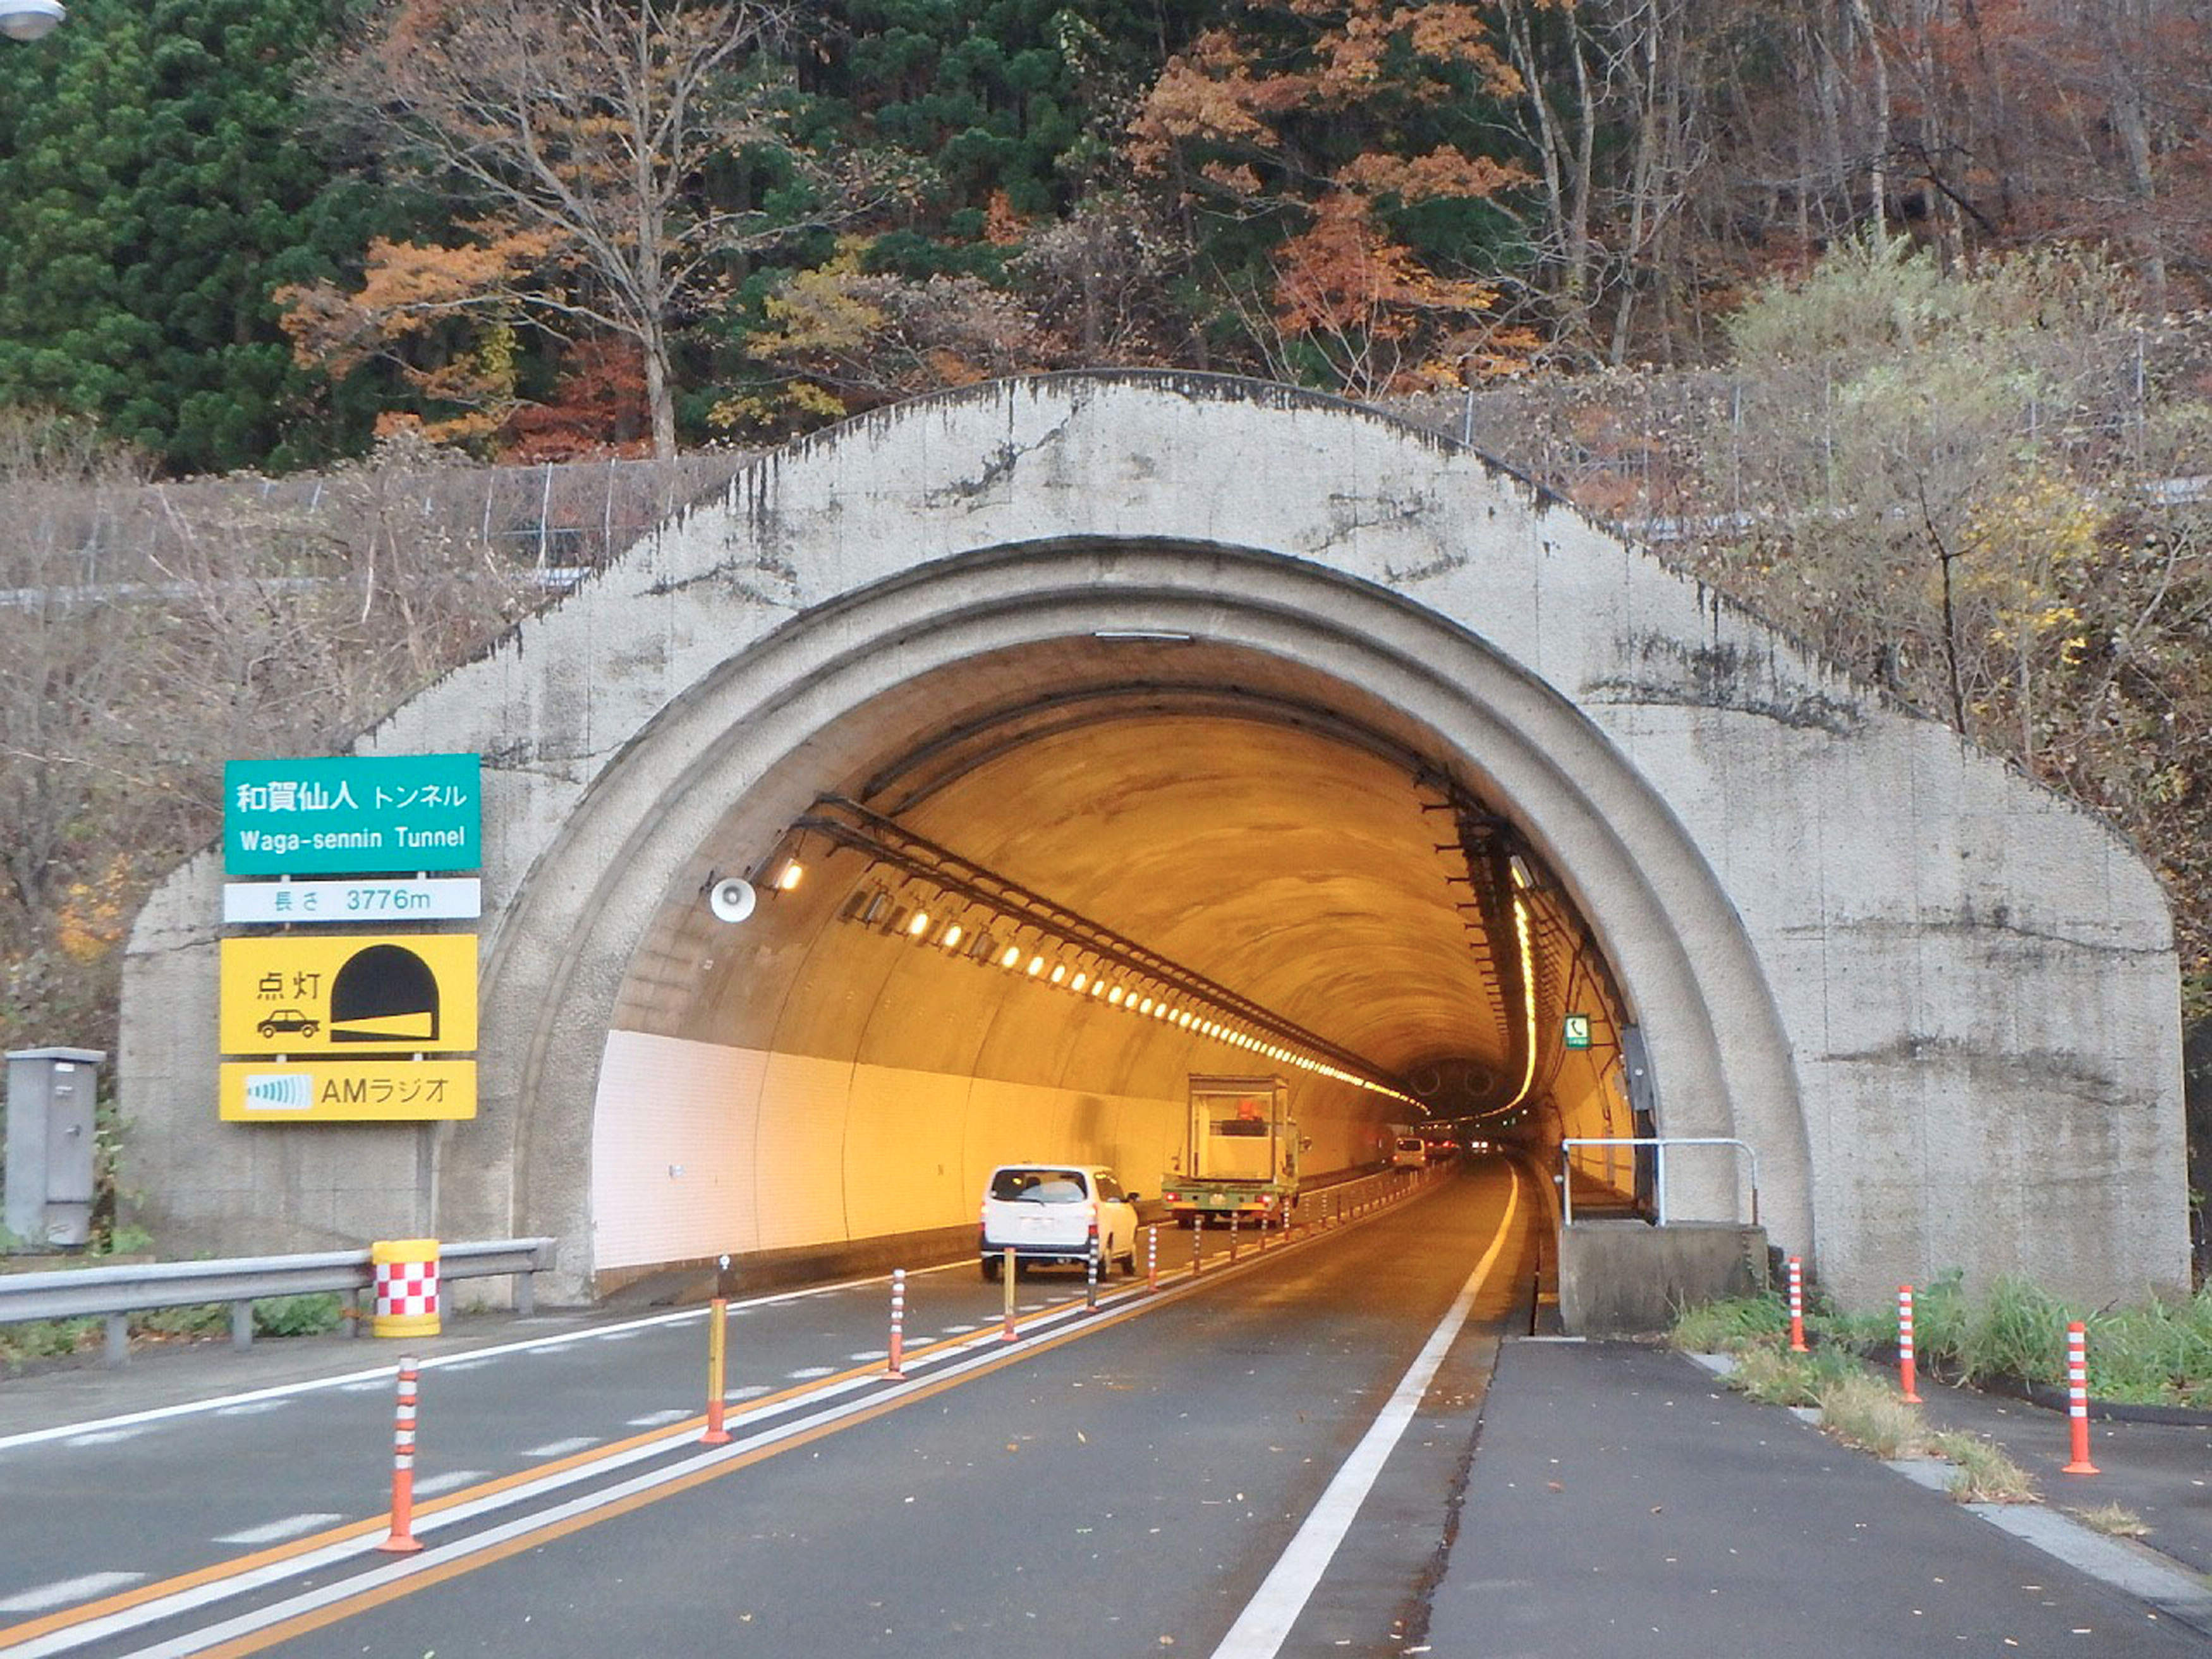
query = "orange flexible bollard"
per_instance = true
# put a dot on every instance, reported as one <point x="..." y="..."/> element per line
<point x="1905" y="1377"/>
<point x="1152" y="1258"/>
<point x="402" y="1540"/>
<point x="2077" y="1398"/>
<point x="896" y="1369"/>
<point x="1006" y="1272"/>
<point x="1796" y="1305"/>
<point x="717" y="1337"/>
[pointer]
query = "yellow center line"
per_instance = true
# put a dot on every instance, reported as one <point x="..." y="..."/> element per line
<point x="1133" y="1298"/>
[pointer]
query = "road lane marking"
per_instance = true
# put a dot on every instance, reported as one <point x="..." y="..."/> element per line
<point x="1261" y="1629"/>
<point x="653" y="1419"/>
<point x="252" y="1408"/>
<point x="379" y="1377"/>
<point x="808" y="1373"/>
<point x="563" y="1447"/>
<point x="103" y="1436"/>
<point x="183" y="1594"/>
<point x="317" y="1608"/>
<point x="452" y="1480"/>
<point x="66" y="1590"/>
<point x="275" y="1532"/>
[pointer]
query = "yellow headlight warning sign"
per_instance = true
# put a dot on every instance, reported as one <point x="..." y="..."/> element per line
<point x="363" y="1090"/>
<point x="350" y="995"/>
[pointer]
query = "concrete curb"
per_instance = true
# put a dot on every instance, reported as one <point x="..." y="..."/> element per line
<point x="2133" y="1569"/>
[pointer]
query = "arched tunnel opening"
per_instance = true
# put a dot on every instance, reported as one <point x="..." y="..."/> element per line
<point x="1007" y="909"/>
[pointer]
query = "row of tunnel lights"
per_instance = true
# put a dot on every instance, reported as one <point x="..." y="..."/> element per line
<point x="922" y="928"/>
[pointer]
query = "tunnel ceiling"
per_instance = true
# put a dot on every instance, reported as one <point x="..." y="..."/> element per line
<point x="1254" y="823"/>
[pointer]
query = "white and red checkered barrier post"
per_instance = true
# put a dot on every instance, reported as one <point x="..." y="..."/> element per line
<point x="1796" y="1305"/>
<point x="2077" y="1398"/>
<point x="406" y="1287"/>
<point x="896" y="1367"/>
<point x="402" y="1540"/>
<point x="1906" y="1378"/>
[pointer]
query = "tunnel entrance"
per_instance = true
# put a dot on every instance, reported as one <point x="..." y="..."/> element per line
<point x="1007" y="905"/>
<point x="1268" y="688"/>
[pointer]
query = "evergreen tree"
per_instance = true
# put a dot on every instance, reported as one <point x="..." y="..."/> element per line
<point x="156" y="182"/>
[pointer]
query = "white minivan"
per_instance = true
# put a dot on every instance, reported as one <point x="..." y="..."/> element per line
<point x="1067" y="1213"/>
<point x="1411" y="1152"/>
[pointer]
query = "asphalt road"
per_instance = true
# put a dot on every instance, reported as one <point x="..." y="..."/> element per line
<point x="1119" y="1482"/>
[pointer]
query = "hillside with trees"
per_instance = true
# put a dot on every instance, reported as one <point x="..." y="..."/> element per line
<point x="1887" y="317"/>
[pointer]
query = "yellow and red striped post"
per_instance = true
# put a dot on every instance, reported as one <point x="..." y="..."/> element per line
<point x="1905" y="1376"/>
<point x="1006" y="1273"/>
<point x="1796" y="1305"/>
<point x="717" y="1328"/>
<point x="2077" y="1398"/>
<point x="402" y="1540"/>
<point x="1153" y="1257"/>
<point x="896" y="1368"/>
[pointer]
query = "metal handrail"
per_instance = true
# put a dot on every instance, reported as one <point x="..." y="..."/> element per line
<point x="1659" y="1174"/>
<point x="112" y="1292"/>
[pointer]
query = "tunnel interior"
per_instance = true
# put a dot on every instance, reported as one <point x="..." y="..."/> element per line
<point x="1019" y="901"/>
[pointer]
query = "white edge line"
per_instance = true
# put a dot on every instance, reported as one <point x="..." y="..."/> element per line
<point x="309" y="1601"/>
<point x="1261" y="1629"/>
<point x="282" y="1390"/>
<point x="983" y="1348"/>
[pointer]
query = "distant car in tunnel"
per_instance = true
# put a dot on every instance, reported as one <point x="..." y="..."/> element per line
<point x="1411" y="1152"/>
<point x="1057" y="1213"/>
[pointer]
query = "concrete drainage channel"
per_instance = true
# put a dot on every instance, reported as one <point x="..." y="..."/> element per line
<point x="2131" y="1568"/>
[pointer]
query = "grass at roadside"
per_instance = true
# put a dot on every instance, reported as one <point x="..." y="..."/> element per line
<point x="55" y="1338"/>
<point x="2158" y="1352"/>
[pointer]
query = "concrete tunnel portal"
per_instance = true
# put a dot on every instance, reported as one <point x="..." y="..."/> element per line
<point x="1305" y="714"/>
<point x="1104" y="864"/>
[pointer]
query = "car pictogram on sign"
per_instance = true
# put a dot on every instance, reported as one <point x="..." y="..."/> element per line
<point x="288" y="1019"/>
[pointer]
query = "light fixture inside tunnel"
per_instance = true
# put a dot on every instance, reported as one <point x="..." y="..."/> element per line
<point x="1128" y="977"/>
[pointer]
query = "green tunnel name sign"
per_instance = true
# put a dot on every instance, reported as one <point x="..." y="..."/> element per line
<point x="353" y="815"/>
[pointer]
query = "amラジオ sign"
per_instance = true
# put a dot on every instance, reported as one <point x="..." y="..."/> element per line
<point x="353" y="814"/>
<point x="358" y="1090"/>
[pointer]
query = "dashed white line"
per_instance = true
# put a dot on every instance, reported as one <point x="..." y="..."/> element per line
<point x="561" y="1448"/>
<point x="808" y="1373"/>
<point x="449" y="1480"/>
<point x="956" y="1330"/>
<point x="103" y="1436"/>
<point x="275" y="1532"/>
<point x="749" y="1391"/>
<point x="660" y="1419"/>
<point x="252" y="1407"/>
<point x="46" y="1597"/>
<point x="866" y="1354"/>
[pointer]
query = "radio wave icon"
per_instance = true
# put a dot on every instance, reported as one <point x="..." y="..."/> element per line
<point x="280" y="1091"/>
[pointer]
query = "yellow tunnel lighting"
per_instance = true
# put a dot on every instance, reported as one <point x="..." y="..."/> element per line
<point x="1097" y="987"/>
<point x="952" y="937"/>
<point x="1079" y="983"/>
<point x="1013" y="958"/>
<point x="1114" y="996"/>
<point x="1184" y="1019"/>
<point x="1146" y="1006"/>
<point x="1036" y="966"/>
<point x="1059" y="972"/>
<point x="790" y="876"/>
<point x="919" y="925"/>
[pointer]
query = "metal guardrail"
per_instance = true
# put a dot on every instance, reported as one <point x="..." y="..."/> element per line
<point x="1659" y="1170"/>
<point x="116" y="1292"/>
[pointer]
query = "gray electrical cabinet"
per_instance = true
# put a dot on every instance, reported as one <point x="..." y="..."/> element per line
<point x="50" y="1141"/>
